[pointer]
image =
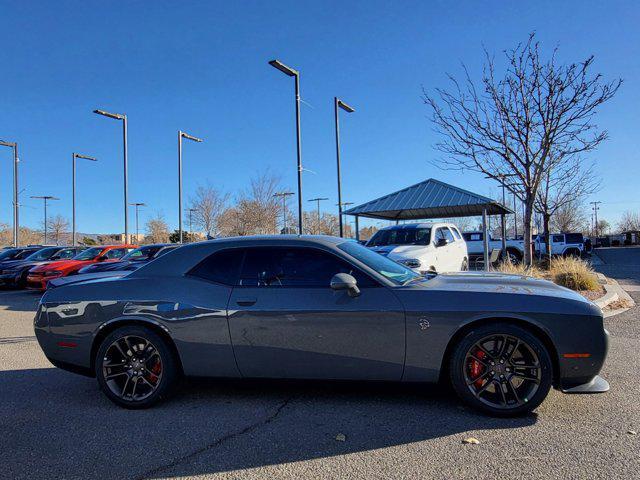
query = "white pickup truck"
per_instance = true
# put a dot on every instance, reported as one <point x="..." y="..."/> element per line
<point x="475" y="245"/>
<point x="567" y="245"/>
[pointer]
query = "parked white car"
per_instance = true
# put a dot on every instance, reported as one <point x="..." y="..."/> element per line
<point x="475" y="245"/>
<point x="423" y="247"/>
<point x="561" y="244"/>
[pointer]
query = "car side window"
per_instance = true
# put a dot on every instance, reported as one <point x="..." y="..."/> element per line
<point x="558" y="238"/>
<point x="222" y="266"/>
<point x="456" y="234"/>
<point x="295" y="267"/>
<point x="66" y="253"/>
<point x="115" y="253"/>
<point x="439" y="235"/>
<point x="447" y="235"/>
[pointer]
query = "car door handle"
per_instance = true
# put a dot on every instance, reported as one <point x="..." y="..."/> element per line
<point x="246" y="302"/>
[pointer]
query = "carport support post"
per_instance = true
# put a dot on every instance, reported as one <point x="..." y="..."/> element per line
<point x="504" y="236"/>
<point x="485" y="239"/>
<point x="357" y="229"/>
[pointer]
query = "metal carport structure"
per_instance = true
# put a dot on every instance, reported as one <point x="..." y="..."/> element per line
<point x="432" y="199"/>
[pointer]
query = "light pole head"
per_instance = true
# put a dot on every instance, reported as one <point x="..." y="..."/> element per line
<point x="283" y="68"/>
<point x="45" y="197"/>
<point x="7" y="144"/>
<point x="345" y="107"/>
<point x="117" y="116"/>
<point x="138" y="204"/>
<point x="190" y="137"/>
<point x="85" y="157"/>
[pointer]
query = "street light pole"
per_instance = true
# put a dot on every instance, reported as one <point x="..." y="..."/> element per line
<point x="182" y="135"/>
<point x="137" y="204"/>
<point x="46" y="198"/>
<point x="16" y="205"/>
<point x="296" y="74"/>
<point x="318" y="200"/>
<point x="337" y="104"/>
<point x="73" y="193"/>
<point x="191" y="210"/>
<point x="284" y="196"/>
<point x="123" y="117"/>
<point x="595" y="218"/>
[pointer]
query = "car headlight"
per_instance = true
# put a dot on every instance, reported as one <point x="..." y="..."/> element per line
<point x="52" y="273"/>
<point x="410" y="262"/>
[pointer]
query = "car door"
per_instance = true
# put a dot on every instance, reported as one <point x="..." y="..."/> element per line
<point x="451" y="254"/>
<point x="286" y="321"/>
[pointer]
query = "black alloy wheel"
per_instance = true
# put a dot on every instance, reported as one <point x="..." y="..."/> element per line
<point x="501" y="369"/>
<point x="135" y="368"/>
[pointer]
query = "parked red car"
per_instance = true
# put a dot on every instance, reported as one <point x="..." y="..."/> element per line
<point x="39" y="276"/>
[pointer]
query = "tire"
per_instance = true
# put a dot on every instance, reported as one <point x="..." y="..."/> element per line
<point x="148" y="374"/>
<point x="513" y="256"/>
<point x="465" y="265"/>
<point x="572" y="252"/>
<point x="501" y="389"/>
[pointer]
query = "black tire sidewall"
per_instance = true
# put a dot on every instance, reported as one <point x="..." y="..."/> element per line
<point x="456" y="368"/>
<point x="169" y="366"/>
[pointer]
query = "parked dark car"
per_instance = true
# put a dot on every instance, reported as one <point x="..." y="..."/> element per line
<point x="17" y="253"/>
<point x="322" y="308"/>
<point x="132" y="260"/>
<point x="13" y="273"/>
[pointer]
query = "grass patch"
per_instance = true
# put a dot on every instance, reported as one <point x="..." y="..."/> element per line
<point x="573" y="273"/>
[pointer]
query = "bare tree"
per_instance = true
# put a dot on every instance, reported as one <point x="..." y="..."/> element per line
<point x="512" y="125"/>
<point x="58" y="226"/>
<point x="629" y="222"/>
<point x="603" y="227"/>
<point x="565" y="186"/>
<point x="568" y="217"/>
<point x="209" y="205"/>
<point x="157" y="230"/>
<point x="256" y="210"/>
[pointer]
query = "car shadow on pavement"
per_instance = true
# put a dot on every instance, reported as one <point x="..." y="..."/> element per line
<point x="19" y="300"/>
<point x="215" y="426"/>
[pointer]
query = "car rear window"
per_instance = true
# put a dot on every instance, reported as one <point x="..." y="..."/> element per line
<point x="222" y="266"/>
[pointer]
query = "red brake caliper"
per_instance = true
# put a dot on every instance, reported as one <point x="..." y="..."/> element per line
<point x="477" y="368"/>
<point x="155" y="370"/>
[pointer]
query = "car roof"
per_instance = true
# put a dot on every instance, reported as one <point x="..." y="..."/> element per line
<point x="412" y="226"/>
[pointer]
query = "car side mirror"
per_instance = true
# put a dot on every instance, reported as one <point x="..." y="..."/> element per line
<point x="441" y="242"/>
<point x="344" y="281"/>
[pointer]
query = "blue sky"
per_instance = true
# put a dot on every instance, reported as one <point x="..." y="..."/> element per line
<point x="202" y="67"/>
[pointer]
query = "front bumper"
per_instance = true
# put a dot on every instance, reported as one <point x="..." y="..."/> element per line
<point x="597" y="385"/>
<point x="9" y="279"/>
<point x="39" y="282"/>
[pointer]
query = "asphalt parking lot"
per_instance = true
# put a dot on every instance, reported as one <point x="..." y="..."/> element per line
<point x="54" y="424"/>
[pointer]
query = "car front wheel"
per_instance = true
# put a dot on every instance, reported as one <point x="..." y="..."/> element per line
<point x="501" y="369"/>
<point x="135" y="368"/>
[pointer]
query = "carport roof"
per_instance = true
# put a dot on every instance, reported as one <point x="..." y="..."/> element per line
<point x="428" y="199"/>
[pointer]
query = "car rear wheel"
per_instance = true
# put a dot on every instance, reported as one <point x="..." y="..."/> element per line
<point x="501" y="369"/>
<point x="135" y="368"/>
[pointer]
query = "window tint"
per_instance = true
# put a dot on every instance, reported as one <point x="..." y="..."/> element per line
<point x="558" y="238"/>
<point x="295" y="267"/>
<point x="456" y="233"/>
<point x="220" y="267"/>
<point x="447" y="235"/>
<point x="115" y="253"/>
<point x="400" y="236"/>
<point x="472" y="237"/>
<point x="67" y="253"/>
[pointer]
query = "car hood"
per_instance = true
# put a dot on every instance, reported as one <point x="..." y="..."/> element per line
<point x="61" y="264"/>
<point x="493" y="282"/>
<point x="399" y="250"/>
<point x="18" y="264"/>
<point x="84" y="277"/>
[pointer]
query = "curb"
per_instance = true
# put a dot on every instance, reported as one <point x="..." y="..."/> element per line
<point x="613" y="292"/>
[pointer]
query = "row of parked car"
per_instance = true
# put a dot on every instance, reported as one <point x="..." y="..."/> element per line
<point x="40" y="267"/>
<point x="423" y="247"/>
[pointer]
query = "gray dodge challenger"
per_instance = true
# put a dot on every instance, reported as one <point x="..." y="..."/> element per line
<point x="312" y="307"/>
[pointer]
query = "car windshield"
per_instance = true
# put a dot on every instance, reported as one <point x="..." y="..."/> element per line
<point x="398" y="274"/>
<point x="44" y="254"/>
<point x="8" y="254"/>
<point x="142" y="253"/>
<point x="401" y="236"/>
<point x="89" y="254"/>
